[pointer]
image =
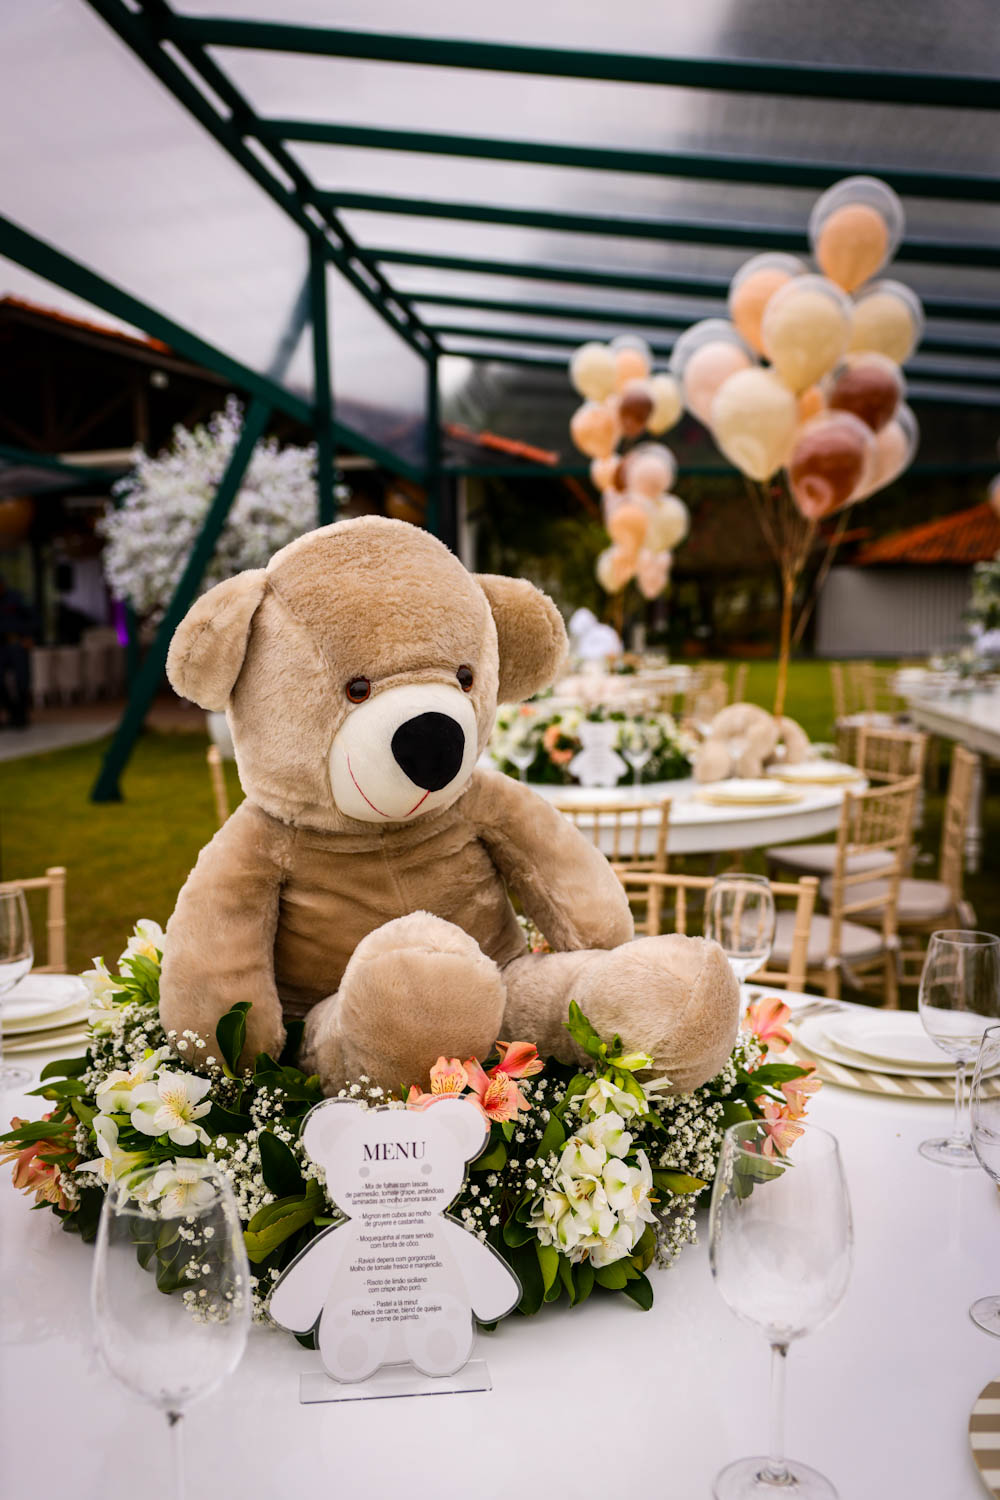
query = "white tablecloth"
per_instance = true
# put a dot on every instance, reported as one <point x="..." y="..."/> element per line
<point x="600" y="1400"/>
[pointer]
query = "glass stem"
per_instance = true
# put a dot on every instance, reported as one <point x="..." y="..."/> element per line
<point x="176" y="1452"/>
<point x="960" y="1124"/>
<point x="777" y="1470"/>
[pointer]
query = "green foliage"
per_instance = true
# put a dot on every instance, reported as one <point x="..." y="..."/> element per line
<point x="231" y="1031"/>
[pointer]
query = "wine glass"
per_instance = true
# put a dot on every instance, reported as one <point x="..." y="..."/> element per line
<point x="522" y="756"/>
<point x="637" y="757"/>
<point x="739" y="915"/>
<point x="16" y="957"/>
<point x="985" y="1113"/>
<point x="780" y="1239"/>
<point x="170" y="1291"/>
<point x="959" y="997"/>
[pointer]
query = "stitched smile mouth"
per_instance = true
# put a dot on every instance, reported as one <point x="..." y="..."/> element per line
<point x="371" y="804"/>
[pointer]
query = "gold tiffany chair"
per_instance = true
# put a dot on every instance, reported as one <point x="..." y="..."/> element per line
<point x="633" y="835"/>
<point x="53" y="883"/>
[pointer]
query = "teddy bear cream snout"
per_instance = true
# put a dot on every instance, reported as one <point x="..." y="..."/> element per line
<point x="404" y="752"/>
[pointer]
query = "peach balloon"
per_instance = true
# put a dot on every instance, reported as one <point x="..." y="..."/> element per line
<point x="592" y="371"/>
<point x="993" y="495"/>
<point x="667" y="404"/>
<point x="635" y="405"/>
<point x="854" y="229"/>
<point x="627" y="526"/>
<point x="652" y="572"/>
<point x="888" y="319"/>
<point x="650" y="469"/>
<point x="611" y="501"/>
<point x="869" y="385"/>
<point x="752" y="288"/>
<point x="595" y="429"/>
<point x="827" y="463"/>
<point x="805" y="330"/>
<point x="753" y="421"/>
<point x="707" y="369"/>
<point x="602" y="472"/>
<point x="668" y="523"/>
<point x="811" y="403"/>
<point x="614" y="569"/>
<point x="633" y="359"/>
<point x="895" y="446"/>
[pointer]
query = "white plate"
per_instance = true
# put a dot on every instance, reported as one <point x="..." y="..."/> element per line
<point x="812" y="1035"/>
<point x="41" y="995"/>
<point x="740" y="792"/>
<point x="894" y="1037"/>
<point x="817" y="773"/>
<point x="63" y="1043"/>
<point x="54" y="1020"/>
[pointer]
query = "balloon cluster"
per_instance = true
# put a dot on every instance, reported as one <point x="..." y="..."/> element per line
<point x="624" y="399"/>
<point x="805" y="376"/>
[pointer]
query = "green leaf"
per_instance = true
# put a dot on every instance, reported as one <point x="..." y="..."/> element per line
<point x="584" y="1034"/>
<point x="529" y="1274"/>
<point x="65" y="1088"/>
<point x="583" y="1275"/>
<point x="515" y="1233"/>
<point x="566" y="1277"/>
<point x="222" y="1121"/>
<point x="83" y="1111"/>
<point x="294" y="1031"/>
<point x="548" y="1260"/>
<point x="734" y="1113"/>
<point x="579" y="1084"/>
<point x="645" y="1250"/>
<point x="278" y="1166"/>
<point x="65" y="1067"/>
<point x="38" y="1130"/>
<point x="553" y="1138"/>
<point x="274" y="1223"/>
<point x="641" y="1292"/>
<point x="749" y="1171"/>
<point x="677" y="1182"/>
<point x="231" y="1031"/>
<point x="492" y="1160"/>
<point x="293" y="1083"/>
<point x="614" y="1277"/>
<point x="773" y="1074"/>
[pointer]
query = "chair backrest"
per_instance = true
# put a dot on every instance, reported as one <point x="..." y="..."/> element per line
<point x="861" y="686"/>
<point x="630" y="833"/>
<point x="887" y="755"/>
<point x="217" y="776"/>
<point x="53" y="883"/>
<point x="740" y="683"/>
<point x="955" y="822"/>
<point x="838" y="691"/>
<point x="656" y="888"/>
<point x="878" y="821"/>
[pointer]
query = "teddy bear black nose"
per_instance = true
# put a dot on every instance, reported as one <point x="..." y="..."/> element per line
<point x="430" y="749"/>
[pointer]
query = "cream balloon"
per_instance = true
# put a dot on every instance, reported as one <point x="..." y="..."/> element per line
<point x="633" y="359"/>
<point x="628" y="524"/>
<point x="602" y="472"/>
<point x="668" y="524"/>
<point x="614" y="568"/>
<point x="754" y="417"/>
<point x="752" y="288"/>
<point x="653" y="572"/>
<point x="805" y="330"/>
<point x="595" y="429"/>
<point x="854" y="229"/>
<point x="993" y="495"/>
<point x="667" y="404"/>
<point x="887" y="319"/>
<point x="611" y="501"/>
<point x="592" y="371"/>
<point x="704" y="356"/>
<point x="650" y="469"/>
<point x="895" y="446"/>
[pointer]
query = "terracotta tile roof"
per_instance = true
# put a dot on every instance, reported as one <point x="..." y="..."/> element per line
<point x="499" y="444"/>
<point x="968" y="536"/>
<point x="52" y="314"/>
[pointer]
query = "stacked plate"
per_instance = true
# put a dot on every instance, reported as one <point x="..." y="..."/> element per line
<point x="744" y="792"/>
<point x="817" y="773"/>
<point x="885" y="1052"/>
<point x="45" y="1012"/>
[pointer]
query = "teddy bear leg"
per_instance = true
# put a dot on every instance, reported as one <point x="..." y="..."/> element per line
<point x="672" y="997"/>
<point x="415" y="989"/>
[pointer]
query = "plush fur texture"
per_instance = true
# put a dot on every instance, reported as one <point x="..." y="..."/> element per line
<point x="395" y="937"/>
<point x="743" y="740"/>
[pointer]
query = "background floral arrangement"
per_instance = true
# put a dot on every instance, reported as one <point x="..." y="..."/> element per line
<point x="588" y="1177"/>
<point x="163" y="503"/>
<point x="554" y="735"/>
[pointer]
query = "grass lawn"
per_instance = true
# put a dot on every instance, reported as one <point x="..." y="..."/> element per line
<point x="127" y="860"/>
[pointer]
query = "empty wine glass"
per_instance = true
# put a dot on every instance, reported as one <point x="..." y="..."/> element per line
<point x="637" y="757"/>
<point x="16" y="957"/>
<point x="170" y="1290"/>
<point x="739" y="915"/>
<point x="780" y="1240"/>
<point x="522" y="756"/>
<point x="959" y="997"/>
<point x="985" y="1113"/>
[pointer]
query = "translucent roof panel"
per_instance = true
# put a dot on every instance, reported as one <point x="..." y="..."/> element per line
<point x="379" y="381"/>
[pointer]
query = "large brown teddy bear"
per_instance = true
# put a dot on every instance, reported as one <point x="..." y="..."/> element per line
<point x="363" y="884"/>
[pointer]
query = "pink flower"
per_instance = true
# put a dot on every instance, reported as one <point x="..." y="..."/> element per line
<point x="766" y="1019"/>
<point x="43" y="1178"/>
<point x="497" y="1095"/>
<point x="518" y="1060"/>
<point x="797" y="1092"/>
<point x="550" y="740"/>
<point x="448" y="1080"/>
<point x="782" y="1132"/>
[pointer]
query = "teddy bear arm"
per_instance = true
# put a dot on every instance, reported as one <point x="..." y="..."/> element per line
<point x="302" y="1290"/>
<point x="220" y="938"/>
<point x="563" y="882"/>
<point x="493" y="1289"/>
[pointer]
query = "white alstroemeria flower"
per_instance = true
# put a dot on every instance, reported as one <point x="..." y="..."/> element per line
<point x="103" y="987"/>
<point x="169" y="1105"/>
<point x="115" y="1094"/>
<point x="146" y="942"/>
<point x="603" y="1095"/>
<point x="628" y="1189"/>
<point x="608" y="1131"/>
<point x="554" y="1223"/>
<point x="181" y="1187"/>
<point x="595" y="1220"/>
<point x="582" y="1158"/>
<point x="614" y="1246"/>
<point x="112" y="1165"/>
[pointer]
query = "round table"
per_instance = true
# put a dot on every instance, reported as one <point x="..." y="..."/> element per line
<point x="603" y="1399"/>
<point x="698" y="827"/>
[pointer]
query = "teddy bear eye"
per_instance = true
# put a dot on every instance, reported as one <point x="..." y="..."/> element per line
<point x="465" y="679"/>
<point x="358" y="689"/>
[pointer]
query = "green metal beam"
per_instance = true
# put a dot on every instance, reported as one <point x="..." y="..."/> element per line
<point x="434" y="474"/>
<point x="669" y="231"/>
<point x="976" y="187"/>
<point x="107" y="788"/>
<point x="326" y="508"/>
<point x="729" y="75"/>
<point x="626" y="281"/>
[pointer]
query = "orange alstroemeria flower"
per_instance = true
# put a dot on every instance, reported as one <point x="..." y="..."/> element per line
<point x="798" y="1090"/>
<point x="31" y="1175"/>
<point x="766" y="1019"/>
<point x="518" y="1060"/>
<point x="782" y="1131"/>
<point x="496" y="1093"/>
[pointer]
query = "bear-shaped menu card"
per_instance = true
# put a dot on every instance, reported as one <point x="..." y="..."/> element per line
<point x="398" y="1284"/>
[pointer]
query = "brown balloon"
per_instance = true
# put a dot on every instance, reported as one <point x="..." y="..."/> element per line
<point x="635" y="407"/>
<point x="868" y="386"/>
<point x="827" y="464"/>
<point x="619" y="482"/>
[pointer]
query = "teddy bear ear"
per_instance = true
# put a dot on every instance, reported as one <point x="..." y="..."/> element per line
<point x="530" y="634"/>
<point x="207" y="651"/>
<point x="324" y="1123"/>
<point x="465" y="1123"/>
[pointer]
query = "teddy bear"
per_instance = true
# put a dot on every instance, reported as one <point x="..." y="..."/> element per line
<point x="743" y="741"/>
<point x="364" y="884"/>
<point x="398" y="1281"/>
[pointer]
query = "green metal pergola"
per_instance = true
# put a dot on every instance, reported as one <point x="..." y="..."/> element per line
<point x="211" y="107"/>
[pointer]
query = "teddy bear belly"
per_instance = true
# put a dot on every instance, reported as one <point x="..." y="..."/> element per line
<point x="322" y="919"/>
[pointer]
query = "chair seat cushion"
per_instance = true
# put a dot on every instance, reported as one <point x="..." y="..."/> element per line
<point x="818" y="859"/>
<point x="856" y="943"/>
<point x="920" y="901"/>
